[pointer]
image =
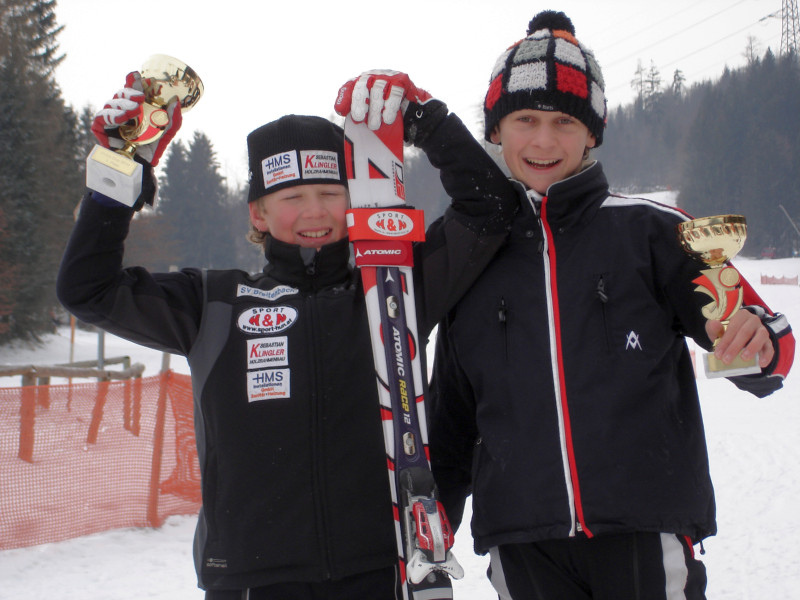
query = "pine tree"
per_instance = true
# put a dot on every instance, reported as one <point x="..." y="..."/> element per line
<point x="742" y="153"/>
<point x="9" y="276"/>
<point x="193" y="199"/>
<point x="38" y="182"/>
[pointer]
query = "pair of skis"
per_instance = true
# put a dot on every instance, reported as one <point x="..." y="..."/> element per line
<point x="383" y="229"/>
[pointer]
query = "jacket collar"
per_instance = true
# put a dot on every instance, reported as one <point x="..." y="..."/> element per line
<point x="306" y="268"/>
<point x="573" y="201"/>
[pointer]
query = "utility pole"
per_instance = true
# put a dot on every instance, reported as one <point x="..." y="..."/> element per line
<point x="790" y="29"/>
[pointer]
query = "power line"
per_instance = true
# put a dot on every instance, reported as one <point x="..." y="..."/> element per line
<point x="657" y="42"/>
<point x="695" y="74"/>
<point x="704" y="48"/>
<point x="625" y="39"/>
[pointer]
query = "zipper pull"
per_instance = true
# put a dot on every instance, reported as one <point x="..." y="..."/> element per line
<point x="501" y="312"/>
<point x="601" y="290"/>
<point x="309" y="256"/>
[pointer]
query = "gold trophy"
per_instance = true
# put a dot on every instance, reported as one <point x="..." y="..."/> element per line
<point x="714" y="241"/>
<point x="114" y="173"/>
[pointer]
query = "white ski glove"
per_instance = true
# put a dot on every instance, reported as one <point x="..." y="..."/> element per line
<point x="127" y="105"/>
<point x="377" y="96"/>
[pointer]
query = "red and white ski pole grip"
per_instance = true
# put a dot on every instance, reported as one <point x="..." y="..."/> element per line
<point x="384" y="236"/>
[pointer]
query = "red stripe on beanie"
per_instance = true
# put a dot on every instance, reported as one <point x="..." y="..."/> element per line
<point x="571" y="81"/>
<point x="494" y="93"/>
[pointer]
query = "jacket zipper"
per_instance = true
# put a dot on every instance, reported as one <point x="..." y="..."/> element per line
<point x="603" y="297"/>
<point x="316" y="424"/>
<point x="559" y="381"/>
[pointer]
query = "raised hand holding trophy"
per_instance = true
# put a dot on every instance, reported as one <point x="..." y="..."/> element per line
<point x="714" y="241"/>
<point x="114" y="173"/>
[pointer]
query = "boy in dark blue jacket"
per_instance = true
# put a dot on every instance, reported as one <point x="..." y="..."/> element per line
<point x="564" y="396"/>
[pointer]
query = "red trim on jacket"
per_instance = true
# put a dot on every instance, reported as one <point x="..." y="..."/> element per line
<point x="562" y="384"/>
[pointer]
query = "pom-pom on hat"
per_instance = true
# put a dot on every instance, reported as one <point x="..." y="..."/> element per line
<point x="295" y="150"/>
<point x="548" y="70"/>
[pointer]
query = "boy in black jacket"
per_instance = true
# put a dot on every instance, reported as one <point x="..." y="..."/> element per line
<point x="295" y="491"/>
<point x="564" y="394"/>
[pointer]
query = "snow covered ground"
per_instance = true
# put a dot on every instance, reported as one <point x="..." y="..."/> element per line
<point x="755" y="463"/>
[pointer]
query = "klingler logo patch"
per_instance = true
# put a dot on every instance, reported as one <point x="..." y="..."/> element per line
<point x="267" y="352"/>
<point x="267" y="319"/>
<point x="319" y="164"/>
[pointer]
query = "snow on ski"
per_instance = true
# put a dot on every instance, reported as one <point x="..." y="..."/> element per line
<point x="382" y="229"/>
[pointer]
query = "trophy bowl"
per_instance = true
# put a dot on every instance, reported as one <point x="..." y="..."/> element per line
<point x="163" y="78"/>
<point x="713" y="240"/>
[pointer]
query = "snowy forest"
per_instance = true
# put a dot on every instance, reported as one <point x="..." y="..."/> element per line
<point x="732" y="142"/>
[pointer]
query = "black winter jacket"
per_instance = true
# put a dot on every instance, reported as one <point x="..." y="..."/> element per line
<point x="564" y="394"/>
<point x="289" y="436"/>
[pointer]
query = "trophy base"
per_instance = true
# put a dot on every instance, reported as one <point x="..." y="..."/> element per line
<point x="114" y="175"/>
<point x="716" y="368"/>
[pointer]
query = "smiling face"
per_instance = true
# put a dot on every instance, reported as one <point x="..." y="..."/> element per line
<point x="542" y="147"/>
<point x="309" y="215"/>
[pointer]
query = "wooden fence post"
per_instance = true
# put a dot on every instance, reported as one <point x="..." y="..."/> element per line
<point x="97" y="412"/>
<point x="27" y="422"/>
<point x="158" y="448"/>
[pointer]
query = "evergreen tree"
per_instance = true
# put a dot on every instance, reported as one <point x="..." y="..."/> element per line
<point x="38" y="182"/>
<point x="638" y="82"/>
<point x="193" y="199"/>
<point x="652" y="87"/>
<point x="9" y="276"/>
<point x="742" y="153"/>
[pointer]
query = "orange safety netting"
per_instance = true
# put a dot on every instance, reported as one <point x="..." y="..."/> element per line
<point x="83" y="458"/>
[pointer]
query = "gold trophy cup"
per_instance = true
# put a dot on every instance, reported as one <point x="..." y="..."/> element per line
<point x="714" y="241"/>
<point x="114" y="173"/>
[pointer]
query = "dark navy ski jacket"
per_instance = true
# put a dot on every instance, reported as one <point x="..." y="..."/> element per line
<point x="564" y="397"/>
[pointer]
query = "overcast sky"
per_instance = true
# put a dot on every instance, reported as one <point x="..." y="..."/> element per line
<point x="261" y="59"/>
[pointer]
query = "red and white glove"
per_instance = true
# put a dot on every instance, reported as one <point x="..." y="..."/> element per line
<point x="127" y="105"/>
<point x="377" y="96"/>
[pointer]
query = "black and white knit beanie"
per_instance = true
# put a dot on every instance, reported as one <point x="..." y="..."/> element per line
<point x="548" y="70"/>
<point x="295" y="150"/>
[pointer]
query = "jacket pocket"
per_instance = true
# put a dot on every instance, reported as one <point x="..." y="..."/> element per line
<point x="502" y="319"/>
<point x="601" y="294"/>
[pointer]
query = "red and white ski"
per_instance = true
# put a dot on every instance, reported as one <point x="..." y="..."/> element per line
<point x="382" y="228"/>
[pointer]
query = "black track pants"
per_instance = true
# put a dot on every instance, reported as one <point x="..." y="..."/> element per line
<point x="631" y="566"/>
<point x="375" y="585"/>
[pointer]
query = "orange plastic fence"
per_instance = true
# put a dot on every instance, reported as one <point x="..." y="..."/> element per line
<point x="78" y="459"/>
<point x="770" y="280"/>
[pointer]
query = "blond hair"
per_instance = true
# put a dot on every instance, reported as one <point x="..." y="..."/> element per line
<point x="256" y="236"/>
